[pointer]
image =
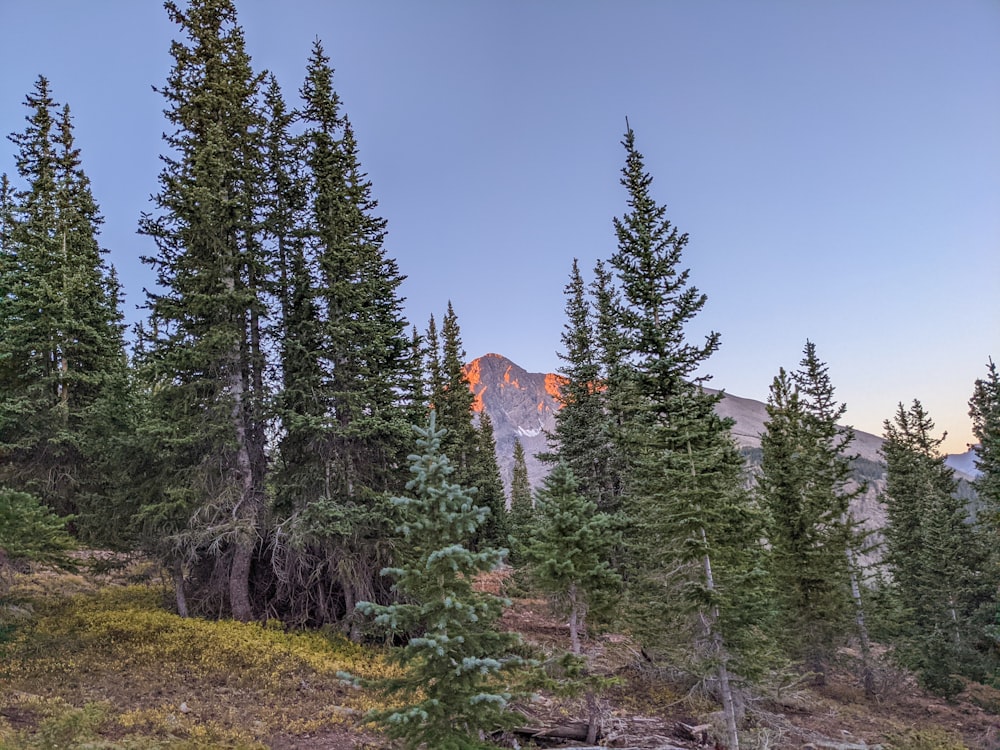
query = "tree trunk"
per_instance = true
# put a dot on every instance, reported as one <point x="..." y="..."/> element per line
<point x="574" y="620"/>
<point x="725" y="689"/>
<point x="239" y="583"/>
<point x="867" y="675"/>
<point x="181" y="597"/>
<point x="593" y="717"/>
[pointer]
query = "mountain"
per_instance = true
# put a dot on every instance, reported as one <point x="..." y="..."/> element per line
<point x="964" y="462"/>
<point x="523" y="406"/>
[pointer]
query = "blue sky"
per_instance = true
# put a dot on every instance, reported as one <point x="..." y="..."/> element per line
<point x="837" y="164"/>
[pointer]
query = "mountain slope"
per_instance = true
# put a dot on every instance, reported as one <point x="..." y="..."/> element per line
<point x="523" y="406"/>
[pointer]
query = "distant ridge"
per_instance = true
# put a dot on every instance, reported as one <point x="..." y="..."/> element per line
<point x="523" y="405"/>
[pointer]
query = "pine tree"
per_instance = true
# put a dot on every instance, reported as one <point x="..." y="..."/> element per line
<point x="495" y="529"/>
<point x="567" y="551"/>
<point x="582" y="437"/>
<point x="947" y="597"/>
<point x="208" y="404"/>
<point x="452" y="691"/>
<point x="686" y="499"/>
<point x="349" y="427"/>
<point x="522" y="506"/>
<point x="567" y="555"/>
<point x="804" y="485"/>
<point x="450" y="395"/>
<point x="984" y="408"/>
<point x="63" y="377"/>
<point x="29" y="531"/>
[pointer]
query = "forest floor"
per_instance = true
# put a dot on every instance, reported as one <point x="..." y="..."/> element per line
<point x="94" y="659"/>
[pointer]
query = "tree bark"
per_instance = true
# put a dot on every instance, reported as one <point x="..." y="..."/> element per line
<point x="574" y="619"/>
<point x="867" y="676"/>
<point x="239" y="583"/>
<point x="725" y="689"/>
<point x="179" y="594"/>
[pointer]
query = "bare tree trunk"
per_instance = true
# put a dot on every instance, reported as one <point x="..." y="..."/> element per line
<point x="245" y="510"/>
<point x="593" y="717"/>
<point x="574" y="619"/>
<point x="239" y="583"/>
<point x="867" y="676"/>
<point x="181" y="597"/>
<point x="725" y="688"/>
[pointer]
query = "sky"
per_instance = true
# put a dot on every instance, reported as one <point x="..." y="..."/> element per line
<point x="836" y="164"/>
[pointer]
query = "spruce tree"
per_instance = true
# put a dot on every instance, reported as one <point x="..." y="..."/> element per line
<point x="567" y="556"/>
<point x="29" y="531"/>
<point x="567" y="551"/>
<point x="686" y="502"/>
<point x="495" y="530"/>
<point x="452" y="691"/>
<point x="522" y="506"/>
<point x="805" y="486"/>
<point x="63" y="373"/>
<point x="450" y="395"/>
<point x="582" y="438"/>
<point x="207" y="407"/>
<point x="946" y="594"/>
<point x="984" y="408"/>
<point x="299" y="472"/>
<point x="349" y="409"/>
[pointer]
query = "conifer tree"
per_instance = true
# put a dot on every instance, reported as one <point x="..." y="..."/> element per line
<point x="452" y="690"/>
<point x="804" y="485"/>
<point x="582" y="437"/>
<point x="299" y="471"/>
<point x="450" y="395"/>
<point x="29" y="531"/>
<point x="364" y="333"/>
<point x="495" y="529"/>
<point x="937" y="559"/>
<point x="567" y="556"/>
<point x="567" y="551"/>
<point x="522" y="506"/>
<point x="686" y="501"/>
<point x="349" y="427"/>
<point x="984" y="408"/>
<point x="63" y="372"/>
<point x="207" y="409"/>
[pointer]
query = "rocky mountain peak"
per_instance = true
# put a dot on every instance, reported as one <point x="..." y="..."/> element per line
<point x="522" y="406"/>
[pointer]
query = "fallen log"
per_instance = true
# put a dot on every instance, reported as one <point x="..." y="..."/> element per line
<point x="831" y="745"/>
<point x="576" y="730"/>
<point x="696" y="733"/>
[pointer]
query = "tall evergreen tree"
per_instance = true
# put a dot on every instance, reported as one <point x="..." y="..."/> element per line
<point x="805" y="486"/>
<point x="450" y="395"/>
<point x="686" y="501"/>
<point x="495" y="529"/>
<point x="984" y="408"/>
<point x="299" y="471"/>
<point x="63" y="372"/>
<point x="947" y="595"/>
<point x="207" y="408"/>
<point x="521" y="504"/>
<point x="353" y="417"/>
<point x="582" y="438"/>
<point x="452" y="690"/>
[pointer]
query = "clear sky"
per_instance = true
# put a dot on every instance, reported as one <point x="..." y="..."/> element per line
<point x="836" y="164"/>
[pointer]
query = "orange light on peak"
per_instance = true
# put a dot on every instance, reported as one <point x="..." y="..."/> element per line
<point x="554" y="384"/>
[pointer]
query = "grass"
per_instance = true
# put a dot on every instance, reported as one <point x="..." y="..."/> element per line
<point x="106" y="666"/>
